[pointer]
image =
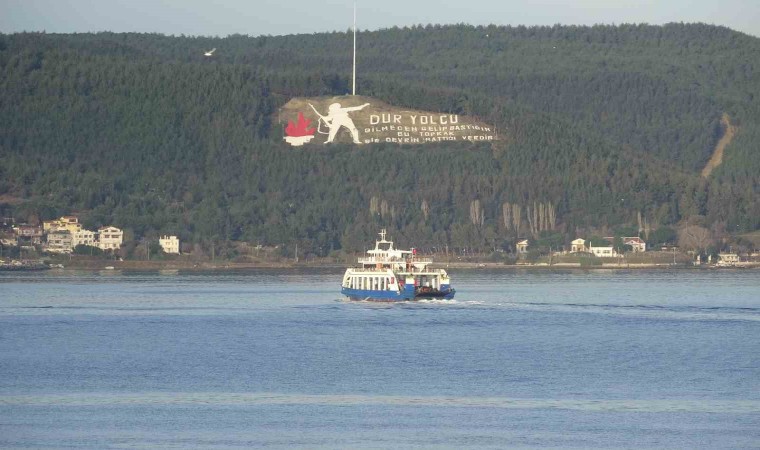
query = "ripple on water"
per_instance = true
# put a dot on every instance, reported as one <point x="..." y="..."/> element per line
<point x="252" y="399"/>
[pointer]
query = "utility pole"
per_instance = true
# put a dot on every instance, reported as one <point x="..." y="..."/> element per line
<point x="353" y="87"/>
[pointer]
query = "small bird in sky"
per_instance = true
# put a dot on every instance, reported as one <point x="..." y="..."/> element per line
<point x="210" y="52"/>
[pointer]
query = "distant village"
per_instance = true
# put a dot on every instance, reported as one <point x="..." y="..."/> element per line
<point x="66" y="235"/>
<point x="579" y="246"/>
<point x="634" y="245"/>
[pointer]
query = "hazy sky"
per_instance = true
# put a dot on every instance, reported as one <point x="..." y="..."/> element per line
<point x="276" y="17"/>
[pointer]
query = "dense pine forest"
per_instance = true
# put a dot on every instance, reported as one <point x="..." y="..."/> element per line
<point x="602" y="128"/>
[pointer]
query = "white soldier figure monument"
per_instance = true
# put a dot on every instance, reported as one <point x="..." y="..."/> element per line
<point x="337" y="117"/>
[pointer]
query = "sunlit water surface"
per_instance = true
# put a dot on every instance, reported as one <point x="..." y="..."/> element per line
<point x="599" y="359"/>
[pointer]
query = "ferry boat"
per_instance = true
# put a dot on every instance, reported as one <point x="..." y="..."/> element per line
<point x="389" y="274"/>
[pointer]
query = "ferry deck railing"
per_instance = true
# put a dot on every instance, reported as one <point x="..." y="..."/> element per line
<point x="376" y="260"/>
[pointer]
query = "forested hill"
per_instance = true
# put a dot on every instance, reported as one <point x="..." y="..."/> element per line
<point x="601" y="127"/>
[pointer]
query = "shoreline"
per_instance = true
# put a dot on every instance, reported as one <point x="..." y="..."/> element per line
<point x="101" y="265"/>
<point x="622" y="266"/>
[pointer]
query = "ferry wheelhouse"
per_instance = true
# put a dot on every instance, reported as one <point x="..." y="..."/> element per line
<point x="389" y="274"/>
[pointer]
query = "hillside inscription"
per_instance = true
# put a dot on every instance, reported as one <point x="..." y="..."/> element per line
<point x="362" y="120"/>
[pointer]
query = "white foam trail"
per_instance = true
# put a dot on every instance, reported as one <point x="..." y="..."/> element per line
<point x="643" y="311"/>
<point x="435" y="301"/>
<point x="256" y="399"/>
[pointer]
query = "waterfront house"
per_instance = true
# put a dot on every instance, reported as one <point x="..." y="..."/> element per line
<point x="636" y="243"/>
<point x="727" y="259"/>
<point x="522" y="247"/>
<point x="170" y="244"/>
<point x="8" y="240"/>
<point x="606" y="251"/>
<point x="28" y="235"/>
<point x="109" y="238"/>
<point x="70" y="223"/>
<point x="578" y="246"/>
<point x="59" y="241"/>
<point x="83" y="237"/>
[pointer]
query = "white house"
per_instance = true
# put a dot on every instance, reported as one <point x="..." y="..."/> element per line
<point x="522" y="247"/>
<point x="727" y="259"/>
<point x="170" y="244"/>
<point x="110" y="238"/>
<point x="636" y="243"/>
<point x="603" y="252"/>
<point x="83" y="237"/>
<point x="59" y="241"/>
<point x="578" y="245"/>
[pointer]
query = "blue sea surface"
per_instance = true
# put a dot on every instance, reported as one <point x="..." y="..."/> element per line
<point x="267" y="358"/>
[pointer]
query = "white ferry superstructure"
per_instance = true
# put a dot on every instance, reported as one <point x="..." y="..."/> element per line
<point x="389" y="274"/>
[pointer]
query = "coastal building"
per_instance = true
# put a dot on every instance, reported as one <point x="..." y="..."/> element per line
<point x="522" y="247"/>
<point x="70" y="223"/>
<point x="578" y="245"/>
<point x="28" y="235"/>
<point x="727" y="259"/>
<point x="170" y="244"/>
<point x="59" y="241"/>
<point x="603" y="252"/>
<point x="109" y="238"/>
<point x="7" y="240"/>
<point x="83" y="237"/>
<point x="636" y="243"/>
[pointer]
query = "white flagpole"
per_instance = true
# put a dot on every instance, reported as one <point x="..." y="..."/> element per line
<point x="353" y="89"/>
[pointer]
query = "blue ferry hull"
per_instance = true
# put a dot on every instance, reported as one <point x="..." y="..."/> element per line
<point x="393" y="296"/>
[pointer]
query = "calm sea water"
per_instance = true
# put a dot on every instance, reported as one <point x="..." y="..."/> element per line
<point x="601" y="359"/>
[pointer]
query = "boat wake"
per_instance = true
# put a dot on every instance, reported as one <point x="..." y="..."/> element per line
<point x="419" y="302"/>
<point x="435" y="301"/>
<point x="657" y="312"/>
<point x="697" y="313"/>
